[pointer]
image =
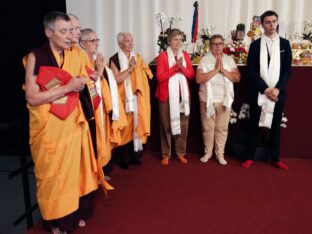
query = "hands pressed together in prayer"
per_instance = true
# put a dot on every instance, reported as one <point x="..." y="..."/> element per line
<point x="272" y="94"/>
<point x="180" y="62"/>
<point x="99" y="67"/>
<point x="219" y="65"/>
<point x="132" y="63"/>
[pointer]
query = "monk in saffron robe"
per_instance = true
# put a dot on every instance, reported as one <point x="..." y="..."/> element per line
<point x="94" y="122"/>
<point x="131" y="74"/>
<point x="62" y="149"/>
<point x="110" y="109"/>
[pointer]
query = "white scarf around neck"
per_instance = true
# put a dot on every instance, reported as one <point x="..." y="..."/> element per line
<point x="124" y="65"/>
<point x="113" y="92"/>
<point x="131" y="99"/>
<point x="177" y="85"/>
<point x="270" y="75"/>
<point x="229" y="88"/>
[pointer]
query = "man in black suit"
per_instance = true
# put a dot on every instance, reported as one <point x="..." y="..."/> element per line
<point x="268" y="70"/>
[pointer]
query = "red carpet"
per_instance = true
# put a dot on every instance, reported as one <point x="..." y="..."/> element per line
<point x="205" y="198"/>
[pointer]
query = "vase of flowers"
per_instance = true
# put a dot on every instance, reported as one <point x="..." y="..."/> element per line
<point x="205" y="35"/>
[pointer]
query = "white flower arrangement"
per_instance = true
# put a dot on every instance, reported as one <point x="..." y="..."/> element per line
<point x="244" y="114"/>
<point x="242" y="132"/>
<point x="167" y="22"/>
<point x="206" y="33"/>
<point x="163" y="21"/>
<point x="307" y="33"/>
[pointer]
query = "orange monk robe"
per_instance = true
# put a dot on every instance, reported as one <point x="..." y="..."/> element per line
<point x="103" y="125"/>
<point x="140" y="87"/>
<point x="115" y="126"/>
<point x="125" y="135"/>
<point x="108" y="132"/>
<point x="85" y="61"/>
<point x="139" y="76"/>
<point x="102" y="122"/>
<point x="112" y="128"/>
<point x="65" y="164"/>
<point x="103" y="150"/>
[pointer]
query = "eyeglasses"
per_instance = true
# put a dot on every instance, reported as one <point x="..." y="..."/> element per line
<point x="96" y="40"/>
<point x="217" y="44"/>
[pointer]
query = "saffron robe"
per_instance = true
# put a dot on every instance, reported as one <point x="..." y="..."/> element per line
<point x="107" y="130"/>
<point x="62" y="150"/>
<point x="140" y="87"/>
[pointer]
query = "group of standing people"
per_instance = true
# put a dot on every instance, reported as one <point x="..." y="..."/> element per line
<point x="81" y="109"/>
<point x="268" y="71"/>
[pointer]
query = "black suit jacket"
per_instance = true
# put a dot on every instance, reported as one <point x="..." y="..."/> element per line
<point x="255" y="82"/>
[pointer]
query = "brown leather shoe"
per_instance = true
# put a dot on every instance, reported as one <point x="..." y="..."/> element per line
<point x="165" y="160"/>
<point x="182" y="159"/>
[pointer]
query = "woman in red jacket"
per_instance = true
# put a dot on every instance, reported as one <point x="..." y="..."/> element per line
<point x="174" y="68"/>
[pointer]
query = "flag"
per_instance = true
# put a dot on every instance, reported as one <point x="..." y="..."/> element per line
<point x="195" y="22"/>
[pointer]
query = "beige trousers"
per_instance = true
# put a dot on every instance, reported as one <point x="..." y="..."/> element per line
<point x="215" y="128"/>
<point x="165" y="131"/>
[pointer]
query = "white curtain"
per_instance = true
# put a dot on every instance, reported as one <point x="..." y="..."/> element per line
<point x="108" y="17"/>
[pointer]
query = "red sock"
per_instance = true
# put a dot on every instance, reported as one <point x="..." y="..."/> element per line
<point x="247" y="163"/>
<point x="281" y="165"/>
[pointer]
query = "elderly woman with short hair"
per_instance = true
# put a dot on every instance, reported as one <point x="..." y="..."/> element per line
<point x="216" y="74"/>
<point x="174" y="69"/>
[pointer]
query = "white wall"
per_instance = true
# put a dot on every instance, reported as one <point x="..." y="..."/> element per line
<point x="108" y="17"/>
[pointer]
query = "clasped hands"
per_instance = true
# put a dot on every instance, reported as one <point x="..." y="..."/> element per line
<point x="99" y="67"/>
<point x="76" y="84"/>
<point x="272" y="94"/>
<point x="132" y="63"/>
<point x="180" y="62"/>
<point x="219" y="65"/>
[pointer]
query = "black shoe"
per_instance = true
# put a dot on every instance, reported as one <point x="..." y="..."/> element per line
<point x="136" y="162"/>
<point x="124" y="166"/>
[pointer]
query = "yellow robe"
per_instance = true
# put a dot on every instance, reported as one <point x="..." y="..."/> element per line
<point x="116" y="126"/>
<point x="140" y="87"/>
<point x="108" y="131"/>
<point x="65" y="165"/>
<point x="141" y="72"/>
<point x="103" y="149"/>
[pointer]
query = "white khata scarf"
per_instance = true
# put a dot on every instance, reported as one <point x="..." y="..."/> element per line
<point x="124" y="65"/>
<point x="229" y="88"/>
<point x="114" y="93"/>
<point x="131" y="99"/>
<point x="137" y="143"/>
<point x="270" y="75"/>
<point x="177" y="85"/>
